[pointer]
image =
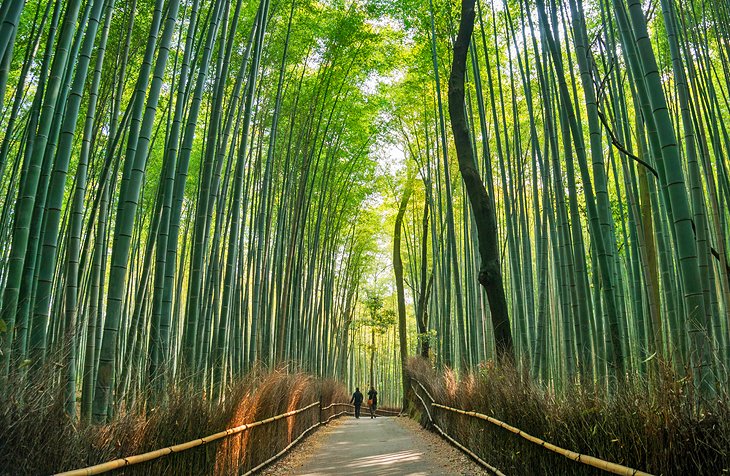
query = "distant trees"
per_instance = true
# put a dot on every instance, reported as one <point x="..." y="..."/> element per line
<point x="181" y="184"/>
<point x="613" y="246"/>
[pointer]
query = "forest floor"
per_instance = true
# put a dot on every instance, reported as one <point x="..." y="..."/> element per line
<point x="381" y="446"/>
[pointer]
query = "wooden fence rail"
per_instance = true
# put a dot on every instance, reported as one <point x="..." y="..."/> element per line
<point x="151" y="455"/>
<point x="614" y="468"/>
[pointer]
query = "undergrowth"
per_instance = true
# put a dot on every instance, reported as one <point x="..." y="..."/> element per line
<point x="660" y="431"/>
<point x="36" y="436"/>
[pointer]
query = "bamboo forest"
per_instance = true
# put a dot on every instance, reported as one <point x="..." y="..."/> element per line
<point x="214" y="212"/>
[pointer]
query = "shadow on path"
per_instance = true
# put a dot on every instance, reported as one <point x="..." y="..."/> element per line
<point x="377" y="446"/>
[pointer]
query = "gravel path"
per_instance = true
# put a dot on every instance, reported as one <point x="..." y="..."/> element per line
<point x="382" y="446"/>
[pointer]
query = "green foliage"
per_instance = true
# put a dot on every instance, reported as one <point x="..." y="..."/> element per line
<point x="278" y="232"/>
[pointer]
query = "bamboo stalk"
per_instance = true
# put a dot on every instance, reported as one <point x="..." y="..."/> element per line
<point x="336" y="404"/>
<point x="425" y="407"/>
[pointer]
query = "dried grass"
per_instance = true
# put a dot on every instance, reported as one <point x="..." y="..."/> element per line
<point x="662" y="430"/>
<point x="36" y="436"/>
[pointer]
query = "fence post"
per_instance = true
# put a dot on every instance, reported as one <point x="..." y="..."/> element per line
<point x="320" y="409"/>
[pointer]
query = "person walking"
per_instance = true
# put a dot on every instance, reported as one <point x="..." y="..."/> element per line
<point x="372" y="401"/>
<point x="356" y="400"/>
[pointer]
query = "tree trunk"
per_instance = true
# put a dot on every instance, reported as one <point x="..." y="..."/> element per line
<point x="398" y="270"/>
<point x="422" y="298"/>
<point x="490" y="275"/>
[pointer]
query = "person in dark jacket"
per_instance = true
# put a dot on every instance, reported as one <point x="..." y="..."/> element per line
<point x="357" y="401"/>
<point x="372" y="401"/>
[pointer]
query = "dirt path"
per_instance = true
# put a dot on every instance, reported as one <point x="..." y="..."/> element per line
<point x="383" y="446"/>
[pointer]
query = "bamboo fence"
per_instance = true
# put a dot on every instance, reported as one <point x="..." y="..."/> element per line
<point x="614" y="468"/>
<point x="152" y="455"/>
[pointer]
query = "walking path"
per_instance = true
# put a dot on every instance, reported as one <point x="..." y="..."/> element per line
<point x="381" y="446"/>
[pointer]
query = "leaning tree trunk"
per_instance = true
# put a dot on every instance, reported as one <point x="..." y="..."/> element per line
<point x="490" y="275"/>
<point x="422" y="297"/>
<point x="398" y="270"/>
